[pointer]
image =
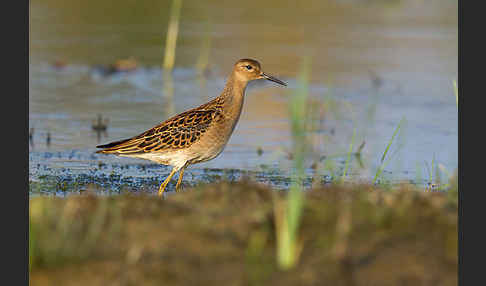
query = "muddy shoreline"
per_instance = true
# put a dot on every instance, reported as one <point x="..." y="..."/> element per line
<point x="225" y="233"/>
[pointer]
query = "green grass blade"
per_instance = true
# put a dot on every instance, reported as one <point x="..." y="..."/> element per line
<point x="432" y="170"/>
<point x="391" y="140"/>
<point x="348" y="159"/>
<point x="456" y="92"/>
<point x="382" y="166"/>
<point x="289" y="219"/>
<point x="172" y="31"/>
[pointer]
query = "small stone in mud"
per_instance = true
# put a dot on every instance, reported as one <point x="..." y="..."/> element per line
<point x="31" y="136"/>
<point x="120" y="65"/>
<point x="259" y="151"/>
<point x="290" y="156"/>
<point x="59" y="64"/>
<point x="432" y="186"/>
<point x="48" y="139"/>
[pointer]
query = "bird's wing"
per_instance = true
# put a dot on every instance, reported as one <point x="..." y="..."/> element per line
<point x="178" y="132"/>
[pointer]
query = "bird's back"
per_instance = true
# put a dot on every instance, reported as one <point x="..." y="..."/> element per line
<point x="178" y="132"/>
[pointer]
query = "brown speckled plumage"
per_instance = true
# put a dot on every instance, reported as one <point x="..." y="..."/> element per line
<point x="196" y="135"/>
<point x="178" y="132"/>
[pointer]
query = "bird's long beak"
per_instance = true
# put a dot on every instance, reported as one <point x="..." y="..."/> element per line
<point x="271" y="78"/>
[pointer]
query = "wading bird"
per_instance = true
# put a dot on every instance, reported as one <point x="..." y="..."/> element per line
<point x="197" y="135"/>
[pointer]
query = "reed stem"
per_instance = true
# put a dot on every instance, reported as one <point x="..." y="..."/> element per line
<point x="172" y="32"/>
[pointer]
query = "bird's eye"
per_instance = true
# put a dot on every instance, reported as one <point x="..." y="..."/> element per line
<point x="248" y="67"/>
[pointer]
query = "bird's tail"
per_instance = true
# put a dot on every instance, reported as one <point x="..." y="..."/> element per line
<point x="111" y="147"/>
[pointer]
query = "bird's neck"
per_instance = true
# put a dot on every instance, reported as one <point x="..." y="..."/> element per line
<point x="234" y="94"/>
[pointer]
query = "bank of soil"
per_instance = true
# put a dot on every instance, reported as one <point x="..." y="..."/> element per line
<point x="224" y="234"/>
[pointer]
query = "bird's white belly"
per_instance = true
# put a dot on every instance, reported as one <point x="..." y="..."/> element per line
<point x="175" y="158"/>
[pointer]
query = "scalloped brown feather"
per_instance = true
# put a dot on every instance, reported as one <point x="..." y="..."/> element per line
<point x="178" y="132"/>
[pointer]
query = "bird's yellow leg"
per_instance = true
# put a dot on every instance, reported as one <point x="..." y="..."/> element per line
<point x="181" y="173"/>
<point x="167" y="180"/>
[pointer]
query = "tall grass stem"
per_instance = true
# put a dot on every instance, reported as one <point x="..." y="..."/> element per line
<point x="172" y="32"/>
<point x="383" y="164"/>
<point x="288" y="214"/>
<point x="456" y="92"/>
<point x="348" y="159"/>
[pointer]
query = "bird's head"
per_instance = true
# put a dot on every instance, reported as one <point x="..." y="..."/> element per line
<point x="246" y="70"/>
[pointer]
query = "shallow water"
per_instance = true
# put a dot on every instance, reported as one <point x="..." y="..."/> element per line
<point x="374" y="63"/>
